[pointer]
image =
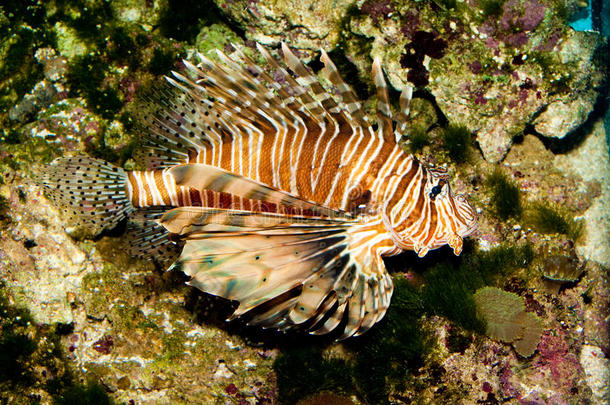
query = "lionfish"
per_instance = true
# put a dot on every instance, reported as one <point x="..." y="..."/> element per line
<point x="281" y="195"/>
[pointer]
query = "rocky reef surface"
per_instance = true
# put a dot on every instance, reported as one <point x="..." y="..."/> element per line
<point x="507" y="95"/>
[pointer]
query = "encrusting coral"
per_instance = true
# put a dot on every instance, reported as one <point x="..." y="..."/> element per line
<point x="506" y="319"/>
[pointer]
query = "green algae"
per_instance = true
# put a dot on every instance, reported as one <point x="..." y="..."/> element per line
<point x="384" y="356"/>
<point x="505" y="196"/>
<point x="546" y="218"/>
<point x="457" y="141"/>
<point x="88" y="72"/>
<point x="19" y="155"/>
<point x="183" y="19"/>
<point x="215" y="36"/>
<point x="122" y="47"/>
<point x="450" y="285"/>
<point x="161" y="61"/>
<point x="491" y="8"/>
<point x="16" y="346"/>
<point x="417" y="138"/>
<point x="84" y="394"/>
<point x="388" y="354"/>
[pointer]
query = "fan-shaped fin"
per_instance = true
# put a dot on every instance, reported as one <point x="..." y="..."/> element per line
<point x="262" y="259"/>
<point x="92" y="191"/>
<point x="316" y="290"/>
<point x="332" y="322"/>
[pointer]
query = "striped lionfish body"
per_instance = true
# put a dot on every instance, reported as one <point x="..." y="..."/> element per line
<point x="283" y="196"/>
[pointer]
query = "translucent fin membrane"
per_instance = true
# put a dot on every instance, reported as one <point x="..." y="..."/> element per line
<point x="93" y="192"/>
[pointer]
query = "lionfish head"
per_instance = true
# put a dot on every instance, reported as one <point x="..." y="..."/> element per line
<point x="434" y="218"/>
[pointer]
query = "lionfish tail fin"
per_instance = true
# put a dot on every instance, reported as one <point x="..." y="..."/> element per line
<point x="92" y="192"/>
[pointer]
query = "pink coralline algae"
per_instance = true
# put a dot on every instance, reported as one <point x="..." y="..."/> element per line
<point x="564" y="367"/>
<point x="231" y="389"/>
<point x="518" y="18"/>
<point x="476" y="67"/>
<point x="526" y="16"/>
<point x="487" y="387"/>
<point x="516" y="40"/>
<point x="409" y="24"/>
<point x="508" y="389"/>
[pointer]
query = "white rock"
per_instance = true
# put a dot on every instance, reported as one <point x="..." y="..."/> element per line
<point x="597" y="371"/>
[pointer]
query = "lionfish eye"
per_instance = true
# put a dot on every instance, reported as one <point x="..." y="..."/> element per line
<point x="436" y="190"/>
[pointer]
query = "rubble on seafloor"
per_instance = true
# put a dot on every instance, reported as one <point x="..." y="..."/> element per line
<point x="503" y="88"/>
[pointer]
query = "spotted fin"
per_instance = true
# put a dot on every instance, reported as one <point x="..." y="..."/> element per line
<point x="147" y="239"/>
<point x="257" y="258"/>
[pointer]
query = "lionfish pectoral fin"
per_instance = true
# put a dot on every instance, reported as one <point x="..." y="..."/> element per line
<point x="92" y="191"/>
<point x="285" y="271"/>
<point x="147" y="239"/>
<point x="201" y="176"/>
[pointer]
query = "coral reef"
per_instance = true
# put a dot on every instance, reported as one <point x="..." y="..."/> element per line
<point x="506" y="95"/>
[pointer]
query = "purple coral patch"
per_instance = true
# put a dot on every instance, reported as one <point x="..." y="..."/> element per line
<point x="104" y="344"/>
<point x="555" y="356"/>
<point x="231" y="389"/>
<point x="476" y="67"/>
<point x="410" y="22"/>
<point x="422" y="43"/>
<point x="479" y="97"/>
<point x="526" y="16"/>
<point x="419" y="77"/>
<point x="377" y="9"/>
<point x="516" y="40"/>
<point x="533" y="14"/>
